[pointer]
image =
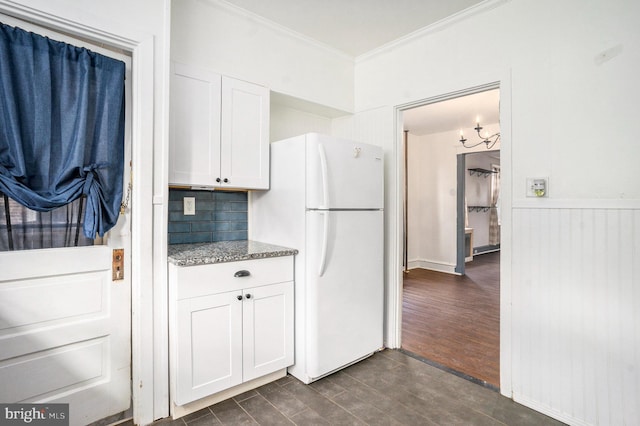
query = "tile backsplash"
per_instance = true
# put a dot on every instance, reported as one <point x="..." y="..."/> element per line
<point x="220" y="216"/>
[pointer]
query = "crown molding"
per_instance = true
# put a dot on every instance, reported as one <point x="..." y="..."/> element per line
<point x="78" y="29"/>
<point x="434" y="28"/>
<point x="278" y="28"/>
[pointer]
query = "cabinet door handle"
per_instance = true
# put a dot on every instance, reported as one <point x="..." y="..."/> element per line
<point x="225" y="180"/>
<point x="218" y="180"/>
<point x="242" y="273"/>
<point x="239" y="297"/>
<point x="248" y="296"/>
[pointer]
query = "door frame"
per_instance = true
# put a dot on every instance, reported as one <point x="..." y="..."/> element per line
<point x="148" y="403"/>
<point x="461" y="161"/>
<point x="396" y="246"/>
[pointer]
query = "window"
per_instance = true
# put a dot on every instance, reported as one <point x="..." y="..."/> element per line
<point x="61" y="141"/>
<point x="25" y="229"/>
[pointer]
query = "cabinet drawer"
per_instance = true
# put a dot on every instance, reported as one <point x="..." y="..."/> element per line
<point x="200" y="280"/>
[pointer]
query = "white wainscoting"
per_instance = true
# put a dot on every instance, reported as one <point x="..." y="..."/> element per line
<point x="576" y="312"/>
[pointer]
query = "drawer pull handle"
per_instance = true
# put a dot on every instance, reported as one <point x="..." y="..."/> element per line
<point x="243" y="273"/>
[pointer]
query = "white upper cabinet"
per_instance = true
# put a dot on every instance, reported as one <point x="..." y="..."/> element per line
<point x="219" y="134"/>
<point x="194" y="146"/>
<point x="245" y="134"/>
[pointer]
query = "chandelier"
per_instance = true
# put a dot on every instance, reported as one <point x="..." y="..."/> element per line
<point x="489" y="141"/>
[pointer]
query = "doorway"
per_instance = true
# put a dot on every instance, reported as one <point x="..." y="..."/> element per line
<point x="451" y="283"/>
<point x="148" y="106"/>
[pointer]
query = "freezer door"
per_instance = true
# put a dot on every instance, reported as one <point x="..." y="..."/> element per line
<point x="344" y="288"/>
<point x="343" y="174"/>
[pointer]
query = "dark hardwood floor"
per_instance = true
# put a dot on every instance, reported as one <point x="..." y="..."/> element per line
<point x="454" y="321"/>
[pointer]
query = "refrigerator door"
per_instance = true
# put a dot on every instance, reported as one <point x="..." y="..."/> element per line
<point x="343" y="174"/>
<point x="344" y="288"/>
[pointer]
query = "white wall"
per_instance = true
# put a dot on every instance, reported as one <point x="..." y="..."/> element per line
<point x="313" y="82"/>
<point x="287" y="122"/>
<point x="432" y="201"/>
<point x="416" y="199"/>
<point x="432" y="193"/>
<point x="566" y="101"/>
<point x="569" y="337"/>
<point x="217" y="36"/>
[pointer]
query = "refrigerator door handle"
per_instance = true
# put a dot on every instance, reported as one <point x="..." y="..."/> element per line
<point x="325" y="242"/>
<point x="325" y="176"/>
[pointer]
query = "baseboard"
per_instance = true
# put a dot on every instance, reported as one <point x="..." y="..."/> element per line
<point x="548" y="411"/>
<point x="178" y="411"/>
<point x="432" y="266"/>
<point x="486" y="249"/>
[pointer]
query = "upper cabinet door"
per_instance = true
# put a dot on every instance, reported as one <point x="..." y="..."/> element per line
<point x="194" y="147"/>
<point x="245" y="135"/>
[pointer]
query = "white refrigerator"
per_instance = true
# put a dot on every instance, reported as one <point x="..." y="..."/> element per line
<point x="326" y="200"/>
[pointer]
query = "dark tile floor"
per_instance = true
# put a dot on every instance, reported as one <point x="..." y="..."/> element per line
<point x="389" y="388"/>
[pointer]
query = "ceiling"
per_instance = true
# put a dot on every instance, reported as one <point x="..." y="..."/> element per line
<point x="454" y="114"/>
<point x="354" y="26"/>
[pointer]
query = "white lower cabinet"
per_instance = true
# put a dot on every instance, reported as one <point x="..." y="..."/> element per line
<point x="230" y="323"/>
<point x="267" y="329"/>
<point x="209" y="345"/>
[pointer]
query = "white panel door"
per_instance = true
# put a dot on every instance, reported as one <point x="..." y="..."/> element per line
<point x="65" y="331"/>
<point x="343" y="174"/>
<point x="344" y="288"/>
<point x="245" y="135"/>
<point x="267" y="329"/>
<point x="65" y="326"/>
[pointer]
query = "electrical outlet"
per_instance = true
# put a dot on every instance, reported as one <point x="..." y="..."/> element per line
<point x="189" y="206"/>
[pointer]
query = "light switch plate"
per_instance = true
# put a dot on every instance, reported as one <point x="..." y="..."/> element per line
<point x="538" y="187"/>
<point x="189" y="206"/>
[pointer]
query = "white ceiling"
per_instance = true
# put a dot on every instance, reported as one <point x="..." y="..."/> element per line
<point x="354" y="26"/>
<point x="454" y="114"/>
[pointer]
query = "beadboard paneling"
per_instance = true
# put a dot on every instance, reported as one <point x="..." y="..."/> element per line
<point x="576" y="313"/>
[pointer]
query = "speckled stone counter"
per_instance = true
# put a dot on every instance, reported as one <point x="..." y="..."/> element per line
<point x="224" y="251"/>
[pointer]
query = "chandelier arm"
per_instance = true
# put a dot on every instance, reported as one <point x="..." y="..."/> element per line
<point x="473" y="146"/>
<point x="488" y="141"/>
<point x="486" y="137"/>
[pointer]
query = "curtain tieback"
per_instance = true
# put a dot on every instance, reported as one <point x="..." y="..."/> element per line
<point x="88" y="173"/>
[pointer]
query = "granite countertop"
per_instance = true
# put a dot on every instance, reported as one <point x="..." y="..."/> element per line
<point x="224" y="251"/>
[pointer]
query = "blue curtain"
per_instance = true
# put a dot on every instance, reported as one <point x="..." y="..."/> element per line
<point x="61" y="127"/>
